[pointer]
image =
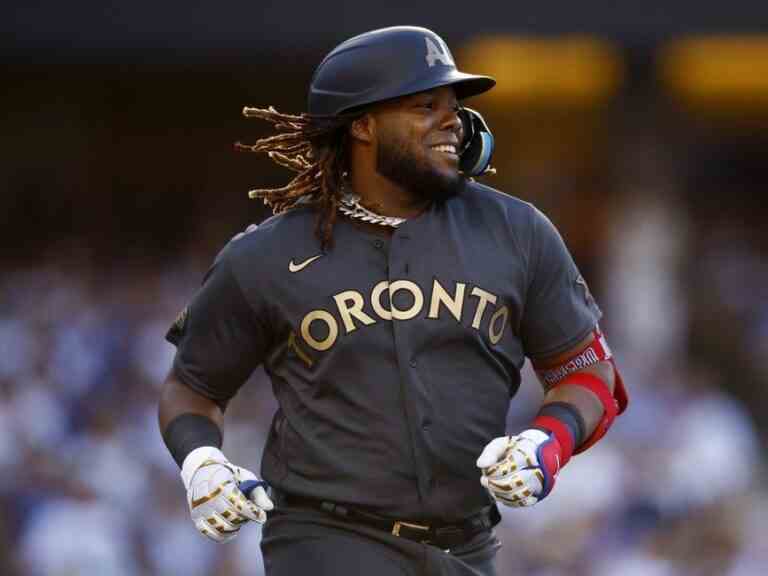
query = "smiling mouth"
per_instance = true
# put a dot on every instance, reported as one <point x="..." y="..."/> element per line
<point x="446" y="151"/>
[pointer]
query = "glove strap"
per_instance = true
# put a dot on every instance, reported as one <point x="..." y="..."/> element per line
<point x="197" y="458"/>
<point x="549" y="453"/>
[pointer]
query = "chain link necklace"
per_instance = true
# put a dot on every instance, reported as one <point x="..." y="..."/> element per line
<point x="350" y="206"/>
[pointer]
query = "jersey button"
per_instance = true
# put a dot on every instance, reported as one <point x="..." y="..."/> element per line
<point x="412" y="363"/>
<point x="378" y="243"/>
<point x="426" y="424"/>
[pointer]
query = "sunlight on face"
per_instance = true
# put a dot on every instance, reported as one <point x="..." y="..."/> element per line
<point x="410" y="130"/>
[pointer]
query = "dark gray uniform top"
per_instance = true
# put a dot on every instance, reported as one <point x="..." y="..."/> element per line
<point x="393" y="360"/>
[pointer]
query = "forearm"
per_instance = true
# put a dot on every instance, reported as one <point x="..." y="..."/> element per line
<point x="219" y="496"/>
<point x="187" y="419"/>
<point x="586" y="403"/>
<point x="177" y="399"/>
<point x="577" y="411"/>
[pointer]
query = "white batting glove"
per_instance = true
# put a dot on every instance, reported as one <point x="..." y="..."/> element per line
<point x="216" y="504"/>
<point x="520" y="470"/>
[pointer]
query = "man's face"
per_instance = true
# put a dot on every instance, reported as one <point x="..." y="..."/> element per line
<point x="418" y="140"/>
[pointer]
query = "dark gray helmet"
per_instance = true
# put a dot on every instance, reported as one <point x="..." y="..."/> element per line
<point x="384" y="64"/>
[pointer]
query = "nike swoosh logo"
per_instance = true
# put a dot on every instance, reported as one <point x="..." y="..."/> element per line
<point x="301" y="265"/>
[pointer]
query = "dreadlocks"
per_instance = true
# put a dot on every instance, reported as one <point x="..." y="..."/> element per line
<point x="313" y="146"/>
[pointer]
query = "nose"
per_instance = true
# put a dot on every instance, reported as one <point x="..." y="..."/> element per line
<point x="452" y="123"/>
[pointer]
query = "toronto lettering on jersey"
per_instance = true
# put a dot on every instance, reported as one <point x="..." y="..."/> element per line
<point x="441" y="302"/>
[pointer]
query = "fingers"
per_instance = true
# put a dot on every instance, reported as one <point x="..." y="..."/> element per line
<point x="215" y="528"/>
<point x="260" y="498"/>
<point x="493" y="452"/>
<point x="217" y="504"/>
<point x="520" y="489"/>
<point x="518" y="500"/>
<point x="243" y="474"/>
<point x="241" y="506"/>
<point x="511" y="471"/>
<point x="218" y="510"/>
<point x="525" y="481"/>
<point x="516" y="458"/>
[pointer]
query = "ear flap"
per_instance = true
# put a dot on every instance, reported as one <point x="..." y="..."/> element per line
<point x="477" y="148"/>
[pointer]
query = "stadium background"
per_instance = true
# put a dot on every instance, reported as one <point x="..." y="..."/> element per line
<point x="640" y="128"/>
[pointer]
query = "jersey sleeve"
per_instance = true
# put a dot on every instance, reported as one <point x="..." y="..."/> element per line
<point x="559" y="309"/>
<point x="219" y="337"/>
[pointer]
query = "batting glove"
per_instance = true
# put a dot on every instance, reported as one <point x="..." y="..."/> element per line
<point x="217" y="505"/>
<point x="520" y="470"/>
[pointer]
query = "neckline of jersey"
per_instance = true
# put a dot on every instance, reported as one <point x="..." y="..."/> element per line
<point x="371" y="232"/>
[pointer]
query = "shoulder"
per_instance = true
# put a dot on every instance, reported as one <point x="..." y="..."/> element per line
<point x="483" y="199"/>
<point x="489" y="208"/>
<point x="260" y="242"/>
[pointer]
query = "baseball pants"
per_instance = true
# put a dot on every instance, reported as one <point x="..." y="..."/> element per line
<point x="303" y="541"/>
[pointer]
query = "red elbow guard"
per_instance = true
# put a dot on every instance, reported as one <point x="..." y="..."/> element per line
<point x="570" y="373"/>
<point x="613" y="404"/>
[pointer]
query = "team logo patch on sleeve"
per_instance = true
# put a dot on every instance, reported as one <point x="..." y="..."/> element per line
<point x="177" y="328"/>
<point x="588" y="298"/>
<point x="181" y="319"/>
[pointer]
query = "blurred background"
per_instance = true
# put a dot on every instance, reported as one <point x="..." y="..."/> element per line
<point x="640" y="128"/>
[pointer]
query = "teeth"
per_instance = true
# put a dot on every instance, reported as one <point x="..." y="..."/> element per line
<point x="450" y="148"/>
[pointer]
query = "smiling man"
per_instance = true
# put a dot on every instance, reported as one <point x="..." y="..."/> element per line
<point x="409" y="149"/>
<point x="392" y="300"/>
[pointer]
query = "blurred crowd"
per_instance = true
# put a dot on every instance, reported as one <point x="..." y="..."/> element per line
<point x="677" y="488"/>
<point x="118" y="185"/>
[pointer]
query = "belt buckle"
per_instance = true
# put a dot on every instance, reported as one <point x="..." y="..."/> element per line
<point x="398" y="525"/>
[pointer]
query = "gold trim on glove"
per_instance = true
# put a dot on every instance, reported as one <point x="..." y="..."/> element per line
<point x="204" y="499"/>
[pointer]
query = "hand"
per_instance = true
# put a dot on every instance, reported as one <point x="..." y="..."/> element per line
<point x="520" y="470"/>
<point x="217" y="505"/>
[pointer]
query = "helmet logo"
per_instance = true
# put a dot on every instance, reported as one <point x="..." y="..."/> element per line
<point x="435" y="53"/>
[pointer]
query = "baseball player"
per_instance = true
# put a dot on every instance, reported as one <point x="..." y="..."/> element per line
<point x="392" y="300"/>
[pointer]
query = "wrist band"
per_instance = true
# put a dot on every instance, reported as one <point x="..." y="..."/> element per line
<point x="190" y="431"/>
<point x="566" y="423"/>
<point x="611" y="404"/>
<point x="568" y="415"/>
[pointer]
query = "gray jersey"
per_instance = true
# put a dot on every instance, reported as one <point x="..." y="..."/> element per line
<point x="393" y="359"/>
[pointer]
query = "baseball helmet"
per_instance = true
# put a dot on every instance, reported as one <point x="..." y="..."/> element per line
<point x="397" y="61"/>
<point x="384" y="64"/>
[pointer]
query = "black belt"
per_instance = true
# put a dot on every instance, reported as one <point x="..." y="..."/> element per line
<point x="445" y="536"/>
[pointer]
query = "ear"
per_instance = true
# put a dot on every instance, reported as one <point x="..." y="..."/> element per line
<point x="363" y="128"/>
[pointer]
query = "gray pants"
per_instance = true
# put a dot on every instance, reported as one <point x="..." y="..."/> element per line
<point x="305" y="542"/>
